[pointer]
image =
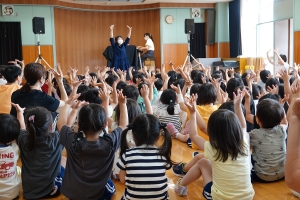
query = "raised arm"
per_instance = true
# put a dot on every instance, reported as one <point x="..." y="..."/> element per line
<point x="20" y="115"/>
<point x="111" y="27"/>
<point x="59" y="78"/>
<point x="103" y="94"/>
<point x="249" y="116"/>
<point x="129" y="31"/>
<point x="123" y="111"/>
<point x="278" y="56"/>
<point x="75" y="108"/>
<point x="237" y="100"/>
<point x="199" y="141"/>
<point x="268" y="57"/>
<point x="292" y="166"/>
<point x="63" y="115"/>
<point x="145" y="94"/>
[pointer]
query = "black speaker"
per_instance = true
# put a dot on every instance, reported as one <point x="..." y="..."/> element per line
<point x="189" y="26"/>
<point x="38" y="25"/>
<point x="210" y="26"/>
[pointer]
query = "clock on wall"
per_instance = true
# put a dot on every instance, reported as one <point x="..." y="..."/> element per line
<point x="196" y="12"/>
<point x="169" y="19"/>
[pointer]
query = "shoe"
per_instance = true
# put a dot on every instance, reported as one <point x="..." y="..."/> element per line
<point x="195" y="153"/>
<point x="178" y="170"/>
<point x="189" y="142"/>
<point x="296" y="193"/>
<point x="172" y="130"/>
<point x="180" y="190"/>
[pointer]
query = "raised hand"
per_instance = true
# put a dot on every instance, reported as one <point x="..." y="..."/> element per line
<point x="177" y="89"/>
<point x="111" y="27"/>
<point x="72" y="100"/>
<point x="192" y="104"/>
<point x="145" y="91"/>
<point x="130" y="28"/>
<point x="285" y="99"/>
<point x="121" y="98"/>
<point x="18" y="108"/>
<point x="79" y="104"/>
<point x="273" y="90"/>
<point x="238" y="98"/>
<point x="103" y="94"/>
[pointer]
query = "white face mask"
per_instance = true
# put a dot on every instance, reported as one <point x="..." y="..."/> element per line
<point x="120" y="41"/>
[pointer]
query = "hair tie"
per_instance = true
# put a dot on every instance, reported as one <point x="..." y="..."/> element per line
<point x="31" y="118"/>
<point x="162" y="125"/>
<point x="171" y="101"/>
<point x="129" y="126"/>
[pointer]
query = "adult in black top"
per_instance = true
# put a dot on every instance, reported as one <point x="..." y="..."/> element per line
<point x="31" y="94"/>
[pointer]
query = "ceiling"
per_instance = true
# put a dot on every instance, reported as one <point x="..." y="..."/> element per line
<point x="138" y="2"/>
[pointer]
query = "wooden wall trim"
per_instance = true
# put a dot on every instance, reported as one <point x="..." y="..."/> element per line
<point x="30" y="53"/>
<point x="224" y="49"/>
<point x="61" y="4"/>
<point x="297" y="47"/>
<point x="175" y="53"/>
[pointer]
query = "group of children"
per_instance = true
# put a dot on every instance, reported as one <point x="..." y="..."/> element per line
<point x="114" y="128"/>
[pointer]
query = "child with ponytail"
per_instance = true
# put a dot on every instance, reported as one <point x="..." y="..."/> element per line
<point x="42" y="164"/>
<point x="143" y="168"/>
<point x="168" y="111"/>
<point x="91" y="151"/>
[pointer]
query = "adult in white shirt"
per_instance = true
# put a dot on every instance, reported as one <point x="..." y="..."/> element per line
<point x="281" y="64"/>
<point x="149" y="46"/>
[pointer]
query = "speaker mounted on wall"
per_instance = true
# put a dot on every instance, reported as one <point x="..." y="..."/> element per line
<point x="189" y="26"/>
<point x="210" y="26"/>
<point x="38" y="25"/>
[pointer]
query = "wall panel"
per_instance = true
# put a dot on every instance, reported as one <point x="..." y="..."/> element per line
<point x="224" y="50"/>
<point x="81" y="37"/>
<point x="30" y="53"/>
<point x="212" y="50"/>
<point x="175" y="53"/>
<point x="297" y="47"/>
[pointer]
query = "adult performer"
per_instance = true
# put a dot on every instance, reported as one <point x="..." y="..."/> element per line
<point x="120" y="60"/>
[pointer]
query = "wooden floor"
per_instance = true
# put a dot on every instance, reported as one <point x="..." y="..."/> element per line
<point x="180" y="152"/>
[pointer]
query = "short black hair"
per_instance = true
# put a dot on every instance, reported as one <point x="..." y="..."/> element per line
<point x="92" y="96"/>
<point x="207" y="94"/>
<point x="121" y="85"/>
<point x="256" y="90"/>
<point x="131" y="91"/>
<point x="270" y="82"/>
<point x="275" y="97"/>
<point x="111" y="79"/>
<point x="283" y="57"/>
<point x="232" y="84"/>
<point x="168" y="97"/>
<point x="264" y="74"/>
<point x="230" y="106"/>
<point x="179" y="82"/>
<point x="10" y="128"/>
<point x="194" y="73"/>
<point x="270" y="113"/>
<point x="11" y="73"/>
<point x="158" y="84"/>
<point x="158" y="76"/>
<point x="198" y="78"/>
<point x="194" y="89"/>
<point x="136" y="76"/>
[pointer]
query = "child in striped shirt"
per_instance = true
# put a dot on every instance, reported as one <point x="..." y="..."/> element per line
<point x="143" y="168"/>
